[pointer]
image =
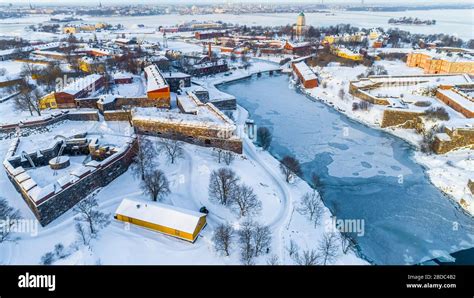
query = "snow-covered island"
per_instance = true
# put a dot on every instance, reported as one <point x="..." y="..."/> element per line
<point x="207" y="143"/>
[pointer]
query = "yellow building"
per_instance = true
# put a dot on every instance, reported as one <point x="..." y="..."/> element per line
<point x="100" y="25"/>
<point x="330" y="39"/>
<point x="356" y="37"/>
<point x="347" y="54"/>
<point x="433" y="63"/>
<point x="69" y="30"/>
<point x="87" y="64"/>
<point x="87" y="27"/>
<point x="48" y="101"/>
<point x="374" y="34"/>
<point x="170" y="220"/>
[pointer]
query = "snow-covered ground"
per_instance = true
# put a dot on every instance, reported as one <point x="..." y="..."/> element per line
<point x="189" y="179"/>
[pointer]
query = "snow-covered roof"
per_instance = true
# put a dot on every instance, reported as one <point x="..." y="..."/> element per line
<point x="298" y="44"/>
<point x="37" y="193"/>
<point x="121" y="75"/>
<point x="49" y="53"/>
<point x="155" y="79"/>
<point x="81" y="171"/>
<point x="81" y="84"/>
<point x="219" y="62"/>
<point x="122" y="40"/>
<point x="28" y="184"/>
<point x="176" y="74"/>
<point x="106" y="98"/>
<point x="452" y="56"/>
<point x="305" y="71"/>
<point x="347" y="51"/>
<point x="459" y="99"/>
<point x="187" y="104"/>
<point x="207" y="117"/>
<point x="99" y="51"/>
<point x="161" y="214"/>
<point x="44" y="46"/>
<point x="443" y="137"/>
<point x="22" y="177"/>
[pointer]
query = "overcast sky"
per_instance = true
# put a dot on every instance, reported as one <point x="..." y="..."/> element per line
<point x="105" y="2"/>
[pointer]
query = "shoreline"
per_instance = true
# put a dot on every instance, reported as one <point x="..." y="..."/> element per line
<point x="356" y="249"/>
<point x="414" y="151"/>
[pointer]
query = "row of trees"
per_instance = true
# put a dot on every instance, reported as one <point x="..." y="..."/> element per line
<point x="253" y="239"/>
<point x="325" y="253"/>
<point x="145" y="166"/>
<point x="225" y="189"/>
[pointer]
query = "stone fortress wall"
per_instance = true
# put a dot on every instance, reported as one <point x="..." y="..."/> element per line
<point x="49" y="202"/>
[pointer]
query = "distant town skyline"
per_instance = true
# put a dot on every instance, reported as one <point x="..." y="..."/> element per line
<point x="327" y="2"/>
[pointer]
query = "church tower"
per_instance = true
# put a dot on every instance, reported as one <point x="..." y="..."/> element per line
<point x="300" y="26"/>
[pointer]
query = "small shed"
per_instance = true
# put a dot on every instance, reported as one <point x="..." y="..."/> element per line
<point x="122" y="78"/>
<point x="170" y="220"/>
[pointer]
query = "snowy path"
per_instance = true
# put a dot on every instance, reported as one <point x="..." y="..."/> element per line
<point x="284" y="214"/>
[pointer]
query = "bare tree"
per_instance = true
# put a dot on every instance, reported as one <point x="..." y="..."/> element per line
<point x="254" y="240"/>
<point x="247" y="252"/>
<point x="228" y="157"/>
<point x="244" y="201"/>
<point x="222" y="185"/>
<point x="29" y="70"/>
<point x="222" y="238"/>
<point x="328" y="248"/>
<point x="307" y="258"/>
<point x="273" y="260"/>
<point x="82" y="233"/>
<point x="49" y="75"/>
<point x="262" y="238"/>
<point x="264" y="137"/>
<point x="347" y="242"/>
<point x="292" y="248"/>
<point x="312" y="206"/>
<point x="48" y="258"/>
<point x="144" y="157"/>
<point x="290" y="166"/>
<point x="224" y="155"/>
<point x="341" y="93"/>
<point x="218" y="152"/>
<point x="9" y="215"/>
<point x="88" y="214"/>
<point x="28" y="98"/>
<point x="173" y="148"/>
<point x="155" y="184"/>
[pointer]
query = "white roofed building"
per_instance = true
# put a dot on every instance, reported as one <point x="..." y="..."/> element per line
<point x="156" y="86"/>
<point x="170" y="220"/>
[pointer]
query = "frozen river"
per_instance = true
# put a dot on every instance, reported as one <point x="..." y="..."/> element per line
<point x="366" y="174"/>
<point x="459" y="22"/>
